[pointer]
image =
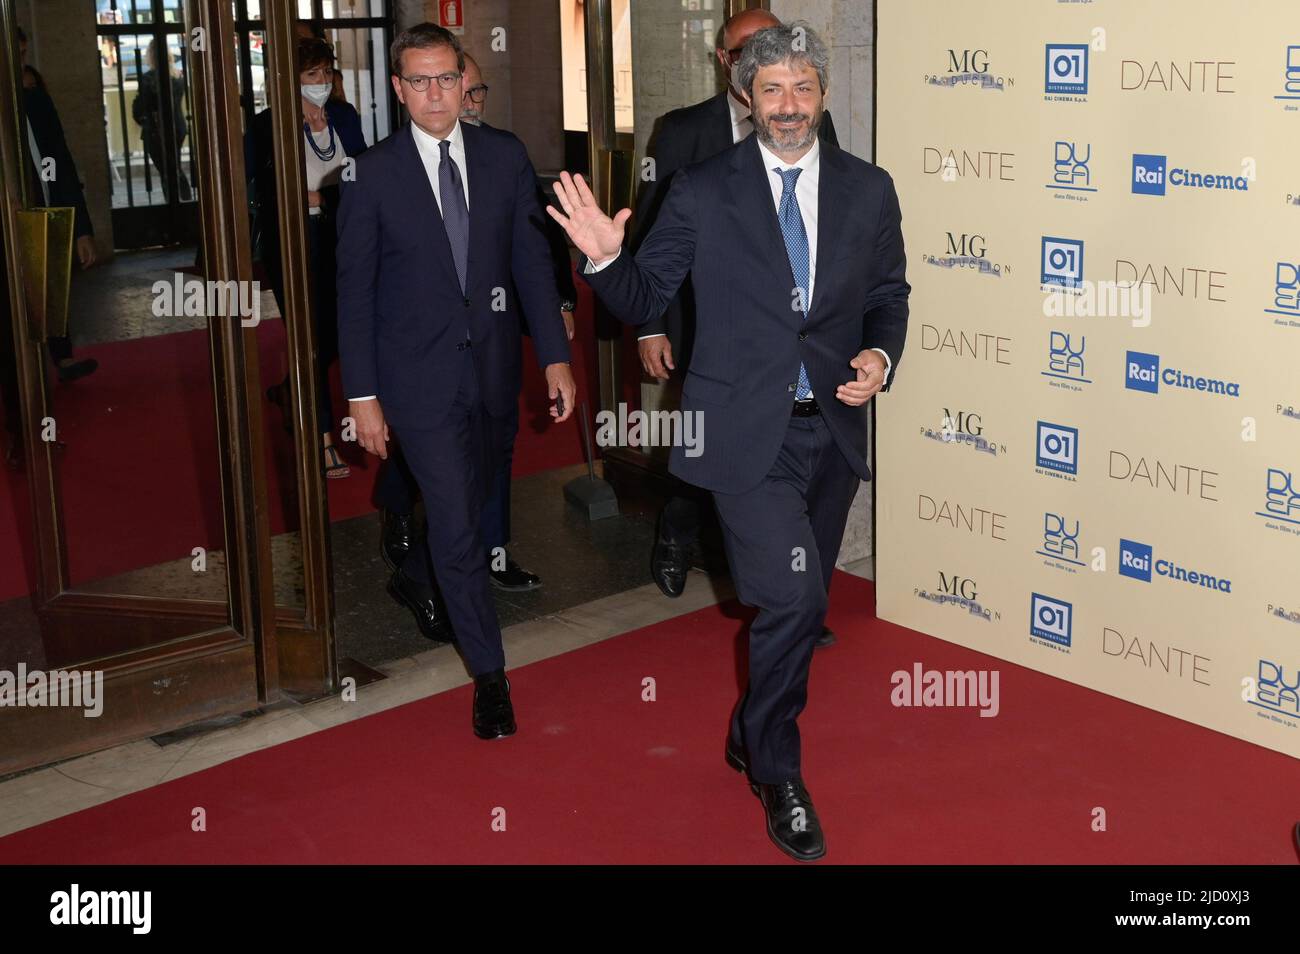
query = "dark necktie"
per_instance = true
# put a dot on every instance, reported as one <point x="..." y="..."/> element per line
<point x="455" y="213"/>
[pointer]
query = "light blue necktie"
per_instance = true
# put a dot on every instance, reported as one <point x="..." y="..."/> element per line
<point x="796" y="247"/>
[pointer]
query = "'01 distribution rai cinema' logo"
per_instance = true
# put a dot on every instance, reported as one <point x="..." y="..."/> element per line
<point x="1061" y="263"/>
<point x="1058" y="451"/>
<point x="1137" y="562"/>
<point x="1066" y="77"/>
<point x="1152" y="173"/>
<point x="1051" y="620"/>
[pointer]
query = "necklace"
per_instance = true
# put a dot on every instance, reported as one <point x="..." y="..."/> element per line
<point x="326" y="154"/>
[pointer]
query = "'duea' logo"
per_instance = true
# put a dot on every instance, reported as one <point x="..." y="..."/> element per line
<point x="969" y="68"/>
<point x="1071" y="172"/>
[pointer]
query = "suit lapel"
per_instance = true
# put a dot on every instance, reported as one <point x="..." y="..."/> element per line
<point x="830" y="179"/>
<point x="424" y="207"/>
<point x="717" y="132"/>
<point x="764" y="224"/>
<point x="478" y="176"/>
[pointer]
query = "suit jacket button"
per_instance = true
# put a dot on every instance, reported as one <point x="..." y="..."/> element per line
<point x="466" y="302"/>
<point x="803" y="335"/>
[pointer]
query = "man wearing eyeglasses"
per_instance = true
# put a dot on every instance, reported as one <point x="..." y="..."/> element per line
<point x="440" y="250"/>
<point x="397" y="490"/>
<point x="688" y="135"/>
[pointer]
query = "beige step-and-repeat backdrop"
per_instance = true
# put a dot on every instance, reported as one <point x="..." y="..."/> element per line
<point x="1090" y="461"/>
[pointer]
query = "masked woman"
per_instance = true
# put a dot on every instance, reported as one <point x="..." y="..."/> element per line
<point x="331" y="130"/>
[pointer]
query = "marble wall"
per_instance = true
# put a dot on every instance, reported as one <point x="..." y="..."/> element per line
<point x="525" y="95"/>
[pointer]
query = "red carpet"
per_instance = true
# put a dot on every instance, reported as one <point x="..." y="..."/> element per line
<point x="598" y="776"/>
<point x="138" y="473"/>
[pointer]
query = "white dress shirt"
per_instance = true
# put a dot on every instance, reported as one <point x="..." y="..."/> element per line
<point x="431" y="155"/>
<point x="741" y="122"/>
<point x="805" y="191"/>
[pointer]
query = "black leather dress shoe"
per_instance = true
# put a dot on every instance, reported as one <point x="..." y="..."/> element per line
<point x="514" y="577"/>
<point x="494" y="716"/>
<point x="400" y="534"/>
<point x="792" y="822"/>
<point x="425" y="604"/>
<point x="669" y="563"/>
<point x="827" y="638"/>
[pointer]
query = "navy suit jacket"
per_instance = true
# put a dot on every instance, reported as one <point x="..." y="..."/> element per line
<point x="688" y="135"/>
<point x="718" y="223"/>
<point x="402" y="314"/>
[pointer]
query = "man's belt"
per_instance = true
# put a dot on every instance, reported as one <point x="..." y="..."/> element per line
<point x="808" y="407"/>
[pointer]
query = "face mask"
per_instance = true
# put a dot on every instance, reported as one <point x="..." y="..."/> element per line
<point x="317" y="93"/>
<point x="735" y="86"/>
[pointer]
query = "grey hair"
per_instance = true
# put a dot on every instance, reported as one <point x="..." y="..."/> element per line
<point x="790" y="42"/>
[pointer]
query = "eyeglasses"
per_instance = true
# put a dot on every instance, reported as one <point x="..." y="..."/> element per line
<point x="421" y="83"/>
<point x="477" y="93"/>
<point x="733" y="56"/>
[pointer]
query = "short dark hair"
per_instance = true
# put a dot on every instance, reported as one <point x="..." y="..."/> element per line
<point x="313" y="53"/>
<point x="424" y="36"/>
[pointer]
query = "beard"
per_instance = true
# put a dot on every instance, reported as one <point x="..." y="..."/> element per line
<point x="778" y="139"/>
<point x="471" y="116"/>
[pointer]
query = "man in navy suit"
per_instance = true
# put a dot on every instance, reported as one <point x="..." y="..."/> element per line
<point x="685" y="136"/>
<point x="441" y="246"/>
<point x="795" y="251"/>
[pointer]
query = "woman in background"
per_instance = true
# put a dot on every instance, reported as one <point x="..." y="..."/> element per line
<point x="331" y="134"/>
<point x="148" y="114"/>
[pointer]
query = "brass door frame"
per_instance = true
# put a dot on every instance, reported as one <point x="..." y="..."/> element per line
<point x="218" y="658"/>
<point x="309" y="664"/>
